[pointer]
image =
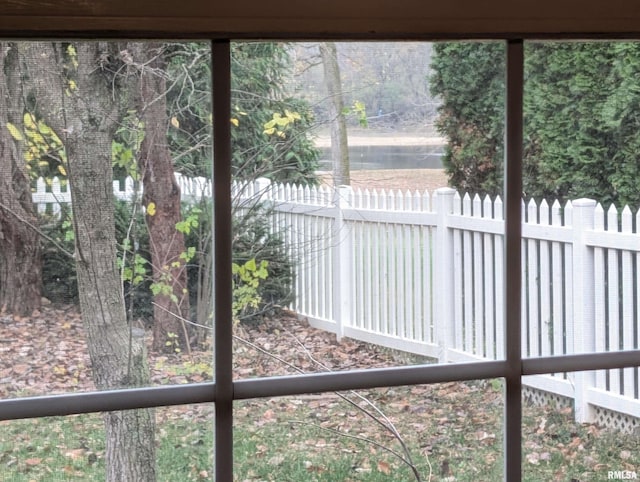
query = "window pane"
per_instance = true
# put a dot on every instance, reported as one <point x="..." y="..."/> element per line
<point x="185" y="442"/>
<point x="581" y="250"/>
<point x="394" y="259"/>
<point x="557" y="446"/>
<point x="38" y="448"/>
<point x="105" y="264"/>
<point x="449" y="430"/>
<point x="107" y="160"/>
<point x="75" y="447"/>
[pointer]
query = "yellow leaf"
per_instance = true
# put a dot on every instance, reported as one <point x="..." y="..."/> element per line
<point x="175" y="123"/>
<point x="235" y="122"/>
<point x="29" y="122"/>
<point x="292" y="116"/>
<point x="151" y="209"/>
<point x="15" y="132"/>
<point x="44" y="129"/>
<point x="62" y="170"/>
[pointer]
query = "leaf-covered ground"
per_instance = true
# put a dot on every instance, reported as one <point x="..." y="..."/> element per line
<point x="452" y="431"/>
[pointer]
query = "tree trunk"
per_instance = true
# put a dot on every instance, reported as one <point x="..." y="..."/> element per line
<point x="20" y="256"/>
<point x="339" y="145"/>
<point x="161" y="190"/>
<point x="85" y="118"/>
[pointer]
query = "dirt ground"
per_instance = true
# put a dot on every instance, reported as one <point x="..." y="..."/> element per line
<point x="396" y="179"/>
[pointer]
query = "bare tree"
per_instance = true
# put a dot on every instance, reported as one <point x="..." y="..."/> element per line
<point x="339" y="145"/>
<point x="73" y="87"/>
<point x="161" y="190"/>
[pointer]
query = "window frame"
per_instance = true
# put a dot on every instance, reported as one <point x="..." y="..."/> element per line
<point x="224" y="391"/>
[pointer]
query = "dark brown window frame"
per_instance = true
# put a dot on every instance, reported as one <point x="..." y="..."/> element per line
<point x="224" y="391"/>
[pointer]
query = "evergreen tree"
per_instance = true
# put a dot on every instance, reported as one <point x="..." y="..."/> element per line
<point x="469" y="78"/>
<point x="580" y="111"/>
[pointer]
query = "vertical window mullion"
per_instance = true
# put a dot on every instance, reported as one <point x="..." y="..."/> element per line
<point x="513" y="264"/>
<point x="223" y="356"/>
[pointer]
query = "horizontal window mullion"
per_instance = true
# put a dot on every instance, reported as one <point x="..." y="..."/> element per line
<point x="365" y="379"/>
<point x="580" y="362"/>
<point x="106" y="401"/>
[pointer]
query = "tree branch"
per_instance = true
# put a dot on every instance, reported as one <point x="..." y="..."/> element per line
<point x="37" y="230"/>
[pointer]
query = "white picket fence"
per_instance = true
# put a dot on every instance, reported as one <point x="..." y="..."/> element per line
<point x="424" y="274"/>
<point x="50" y="196"/>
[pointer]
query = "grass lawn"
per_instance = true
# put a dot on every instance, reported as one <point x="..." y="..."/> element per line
<point x="451" y="431"/>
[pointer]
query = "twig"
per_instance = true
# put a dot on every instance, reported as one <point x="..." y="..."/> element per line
<point x="407" y="459"/>
<point x="385" y="423"/>
<point x="181" y="318"/>
<point x="37" y="230"/>
<point x="362" y="439"/>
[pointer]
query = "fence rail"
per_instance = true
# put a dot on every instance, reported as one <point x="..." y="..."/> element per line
<point x="423" y="273"/>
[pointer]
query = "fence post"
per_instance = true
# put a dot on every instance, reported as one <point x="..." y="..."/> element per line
<point x="342" y="261"/>
<point x="581" y="332"/>
<point x="443" y="292"/>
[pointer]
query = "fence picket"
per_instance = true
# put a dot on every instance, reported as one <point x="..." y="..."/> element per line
<point x="406" y="282"/>
<point x="458" y="283"/>
<point x="498" y="214"/>
<point x="392" y="259"/>
<point x="467" y="293"/>
<point x="423" y="269"/>
<point x="568" y="283"/>
<point x="478" y="298"/>
<point x="533" y="281"/>
<point x="545" y="285"/>
<point x="370" y="319"/>
<point x="600" y="297"/>
<point x="558" y="281"/>
<point x="613" y="313"/>
<point x="488" y="284"/>
<point x="626" y="227"/>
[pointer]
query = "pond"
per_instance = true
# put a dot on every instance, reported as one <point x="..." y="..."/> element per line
<point x="388" y="157"/>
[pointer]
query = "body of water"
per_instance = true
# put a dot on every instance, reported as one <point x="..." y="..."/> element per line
<point x="388" y="157"/>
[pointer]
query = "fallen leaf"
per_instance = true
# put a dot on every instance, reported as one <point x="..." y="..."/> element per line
<point x="384" y="467"/>
<point x="276" y="460"/>
<point x="533" y="458"/>
<point x="75" y="454"/>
